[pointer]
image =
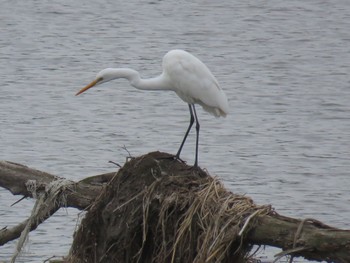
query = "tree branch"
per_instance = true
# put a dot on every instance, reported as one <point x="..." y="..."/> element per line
<point x="16" y="178"/>
<point x="313" y="241"/>
<point x="308" y="238"/>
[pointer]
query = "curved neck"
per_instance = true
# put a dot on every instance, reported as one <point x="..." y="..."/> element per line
<point x="156" y="83"/>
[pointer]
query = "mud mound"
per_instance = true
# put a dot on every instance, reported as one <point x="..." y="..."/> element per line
<point x="156" y="209"/>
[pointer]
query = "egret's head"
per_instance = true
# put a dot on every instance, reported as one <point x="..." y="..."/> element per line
<point x="101" y="77"/>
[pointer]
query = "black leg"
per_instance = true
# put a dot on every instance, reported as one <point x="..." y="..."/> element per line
<point x="197" y="135"/>
<point x="188" y="130"/>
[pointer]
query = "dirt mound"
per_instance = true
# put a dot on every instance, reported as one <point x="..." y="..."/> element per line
<point x="157" y="209"/>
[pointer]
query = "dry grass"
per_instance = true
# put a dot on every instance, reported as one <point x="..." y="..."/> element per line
<point x="159" y="210"/>
<point x="203" y="224"/>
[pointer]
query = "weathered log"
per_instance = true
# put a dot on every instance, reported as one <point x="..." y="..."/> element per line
<point x="22" y="180"/>
<point x="14" y="177"/>
<point x="156" y="208"/>
<point x="308" y="238"/>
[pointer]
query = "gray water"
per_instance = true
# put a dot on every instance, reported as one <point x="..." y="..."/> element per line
<point x="284" y="66"/>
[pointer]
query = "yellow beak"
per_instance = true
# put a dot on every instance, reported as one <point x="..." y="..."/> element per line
<point x="88" y="86"/>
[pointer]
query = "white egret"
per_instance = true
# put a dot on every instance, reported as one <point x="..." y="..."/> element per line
<point x="184" y="74"/>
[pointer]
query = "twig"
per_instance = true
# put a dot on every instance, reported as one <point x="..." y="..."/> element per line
<point x="130" y="200"/>
<point x="288" y="252"/>
<point x="247" y="222"/>
<point x="24" y="197"/>
<point x="117" y="164"/>
<point x="125" y="149"/>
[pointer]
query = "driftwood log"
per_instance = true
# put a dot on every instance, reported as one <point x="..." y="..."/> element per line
<point x="157" y="209"/>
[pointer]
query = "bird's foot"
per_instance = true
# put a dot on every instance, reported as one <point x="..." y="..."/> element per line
<point x="178" y="159"/>
<point x="173" y="157"/>
<point x="195" y="169"/>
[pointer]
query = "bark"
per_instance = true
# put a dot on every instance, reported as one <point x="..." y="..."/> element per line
<point x="308" y="238"/>
<point x="15" y="177"/>
<point x="125" y="213"/>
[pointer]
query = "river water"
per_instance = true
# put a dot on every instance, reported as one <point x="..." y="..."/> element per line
<point x="284" y="66"/>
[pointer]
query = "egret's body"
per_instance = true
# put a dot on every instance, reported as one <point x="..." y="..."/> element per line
<point x="182" y="73"/>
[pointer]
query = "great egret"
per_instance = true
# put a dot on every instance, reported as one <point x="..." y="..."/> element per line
<point x="184" y="74"/>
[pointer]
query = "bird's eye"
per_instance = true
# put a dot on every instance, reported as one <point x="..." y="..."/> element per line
<point x="99" y="79"/>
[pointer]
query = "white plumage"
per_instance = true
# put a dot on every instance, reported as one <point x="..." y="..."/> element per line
<point x="184" y="74"/>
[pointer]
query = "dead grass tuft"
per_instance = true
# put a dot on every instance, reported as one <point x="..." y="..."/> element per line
<point x="159" y="210"/>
